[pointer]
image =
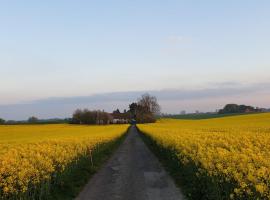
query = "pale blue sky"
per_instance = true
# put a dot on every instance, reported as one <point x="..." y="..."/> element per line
<point x="78" y="48"/>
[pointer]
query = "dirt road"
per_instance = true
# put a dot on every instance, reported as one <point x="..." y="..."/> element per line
<point x="132" y="173"/>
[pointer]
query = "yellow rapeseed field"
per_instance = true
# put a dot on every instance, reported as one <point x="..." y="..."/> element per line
<point x="235" y="149"/>
<point x="31" y="155"/>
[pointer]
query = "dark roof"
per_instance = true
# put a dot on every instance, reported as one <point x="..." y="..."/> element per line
<point x="120" y="115"/>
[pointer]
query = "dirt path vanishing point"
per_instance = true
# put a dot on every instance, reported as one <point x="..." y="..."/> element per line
<point x="132" y="173"/>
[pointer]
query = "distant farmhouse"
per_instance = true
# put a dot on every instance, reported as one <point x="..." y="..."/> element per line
<point x="143" y="111"/>
<point x="86" y="116"/>
<point x="120" y="118"/>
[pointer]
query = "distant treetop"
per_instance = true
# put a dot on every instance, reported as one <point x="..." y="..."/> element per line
<point x="234" y="108"/>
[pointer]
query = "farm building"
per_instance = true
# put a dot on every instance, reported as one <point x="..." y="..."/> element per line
<point x="120" y="118"/>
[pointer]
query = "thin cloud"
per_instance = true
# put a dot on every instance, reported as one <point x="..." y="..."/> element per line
<point x="175" y="39"/>
<point x="63" y="107"/>
<point x="225" y="84"/>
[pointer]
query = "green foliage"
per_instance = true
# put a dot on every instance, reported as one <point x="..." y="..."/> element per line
<point x="2" y="121"/>
<point x="234" y="108"/>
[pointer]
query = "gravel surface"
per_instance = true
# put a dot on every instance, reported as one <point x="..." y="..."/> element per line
<point x="132" y="173"/>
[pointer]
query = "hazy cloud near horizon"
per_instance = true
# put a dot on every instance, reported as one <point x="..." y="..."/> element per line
<point x="70" y="48"/>
<point x="209" y="98"/>
<point x="192" y="55"/>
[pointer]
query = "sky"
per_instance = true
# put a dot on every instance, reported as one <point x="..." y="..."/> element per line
<point x="86" y="49"/>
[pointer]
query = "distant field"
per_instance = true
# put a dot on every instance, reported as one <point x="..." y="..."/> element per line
<point x="35" y="158"/>
<point x="222" y="158"/>
<point x="205" y="115"/>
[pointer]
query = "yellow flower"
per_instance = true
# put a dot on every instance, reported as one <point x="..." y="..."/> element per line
<point x="31" y="154"/>
<point x="236" y="148"/>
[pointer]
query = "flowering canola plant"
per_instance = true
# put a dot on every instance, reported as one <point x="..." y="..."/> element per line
<point x="235" y="149"/>
<point x="31" y="155"/>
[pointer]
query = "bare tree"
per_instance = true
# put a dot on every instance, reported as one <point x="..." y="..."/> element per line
<point x="147" y="109"/>
<point x="149" y="104"/>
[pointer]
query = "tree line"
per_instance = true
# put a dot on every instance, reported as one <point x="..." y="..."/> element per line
<point x="86" y="116"/>
<point x="34" y="120"/>
<point x="144" y="110"/>
<point x="234" y="108"/>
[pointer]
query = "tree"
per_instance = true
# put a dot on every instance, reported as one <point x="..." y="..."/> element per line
<point x="2" y="121"/>
<point x="77" y="117"/>
<point x="90" y="117"/>
<point x="234" y="108"/>
<point x="146" y="109"/>
<point x="32" y="120"/>
<point x="149" y="104"/>
<point x="104" y="118"/>
<point x="132" y="110"/>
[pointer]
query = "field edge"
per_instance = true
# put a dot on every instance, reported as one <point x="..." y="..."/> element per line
<point x="75" y="180"/>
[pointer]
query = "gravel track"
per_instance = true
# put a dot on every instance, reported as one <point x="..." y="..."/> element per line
<point x="132" y="173"/>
